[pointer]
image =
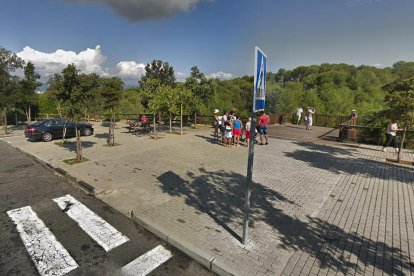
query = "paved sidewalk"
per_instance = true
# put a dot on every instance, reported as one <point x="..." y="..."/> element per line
<point x="316" y="209"/>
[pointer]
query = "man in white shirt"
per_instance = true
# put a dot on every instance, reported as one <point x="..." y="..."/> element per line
<point x="392" y="137"/>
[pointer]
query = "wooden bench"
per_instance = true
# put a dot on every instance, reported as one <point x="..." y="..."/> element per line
<point x="138" y="127"/>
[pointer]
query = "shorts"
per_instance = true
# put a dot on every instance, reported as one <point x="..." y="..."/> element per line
<point x="237" y="131"/>
<point x="247" y="134"/>
<point x="229" y="134"/>
<point x="263" y="130"/>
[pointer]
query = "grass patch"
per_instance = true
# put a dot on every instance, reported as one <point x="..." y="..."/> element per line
<point x="74" y="161"/>
<point x="62" y="143"/>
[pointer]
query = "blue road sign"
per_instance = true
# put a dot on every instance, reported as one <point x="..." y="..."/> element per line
<point x="259" y="93"/>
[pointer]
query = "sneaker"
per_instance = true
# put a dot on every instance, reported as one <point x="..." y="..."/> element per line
<point x="384" y="150"/>
<point x="261" y="144"/>
<point x="267" y="143"/>
<point x="397" y="150"/>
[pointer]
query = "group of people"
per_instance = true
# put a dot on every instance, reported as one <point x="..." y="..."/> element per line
<point x="228" y="128"/>
<point x="308" y="116"/>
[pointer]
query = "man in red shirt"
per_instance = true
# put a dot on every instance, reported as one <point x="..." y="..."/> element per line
<point x="263" y="123"/>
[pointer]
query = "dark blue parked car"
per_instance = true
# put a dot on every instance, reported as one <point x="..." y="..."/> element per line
<point x="50" y="129"/>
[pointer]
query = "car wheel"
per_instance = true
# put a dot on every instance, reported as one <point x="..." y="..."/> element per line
<point x="47" y="137"/>
<point x="87" y="132"/>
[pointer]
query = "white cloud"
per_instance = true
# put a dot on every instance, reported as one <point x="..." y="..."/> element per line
<point x="130" y="69"/>
<point x="92" y="61"/>
<point x="380" y="65"/>
<point x="140" y="10"/>
<point x="180" y="77"/>
<point x="220" y="75"/>
<point x="88" y="61"/>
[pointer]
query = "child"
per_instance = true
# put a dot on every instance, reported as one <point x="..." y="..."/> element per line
<point x="248" y="124"/>
<point x="229" y="132"/>
<point x="237" y="130"/>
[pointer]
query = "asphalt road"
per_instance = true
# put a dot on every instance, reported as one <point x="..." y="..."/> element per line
<point x="24" y="182"/>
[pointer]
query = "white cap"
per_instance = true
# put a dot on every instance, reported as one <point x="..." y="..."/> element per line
<point x="216" y="111"/>
<point x="353" y="110"/>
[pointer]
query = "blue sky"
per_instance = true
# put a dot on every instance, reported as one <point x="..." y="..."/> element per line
<point x="216" y="35"/>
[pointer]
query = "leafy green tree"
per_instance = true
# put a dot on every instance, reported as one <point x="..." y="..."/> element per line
<point x="9" y="62"/>
<point x="47" y="105"/>
<point x="160" y="70"/>
<point x="111" y="93"/>
<point x="400" y="101"/>
<point x="403" y="69"/>
<point x="27" y="95"/>
<point x="204" y="90"/>
<point x="131" y="102"/>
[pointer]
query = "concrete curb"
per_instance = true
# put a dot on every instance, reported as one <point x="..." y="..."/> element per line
<point x="214" y="264"/>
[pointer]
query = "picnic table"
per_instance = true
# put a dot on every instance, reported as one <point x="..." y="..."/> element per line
<point x="134" y="126"/>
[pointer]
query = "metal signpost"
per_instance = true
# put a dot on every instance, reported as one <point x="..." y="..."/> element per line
<point x="259" y="95"/>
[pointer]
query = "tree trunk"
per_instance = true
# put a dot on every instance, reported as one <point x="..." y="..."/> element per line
<point x="195" y="119"/>
<point x="30" y="115"/>
<point x="110" y="140"/>
<point x="5" y="120"/>
<point x="170" y="123"/>
<point x="64" y="132"/>
<point x="181" y="121"/>
<point x="155" y="130"/>
<point x="401" y="145"/>
<point x="113" y="129"/>
<point x="59" y="110"/>
<point x="78" y="144"/>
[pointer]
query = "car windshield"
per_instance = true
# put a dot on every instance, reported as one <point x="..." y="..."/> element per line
<point x="38" y="123"/>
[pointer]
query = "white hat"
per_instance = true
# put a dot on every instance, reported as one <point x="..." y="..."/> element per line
<point x="216" y="111"/>
<point x="353" y="110"/>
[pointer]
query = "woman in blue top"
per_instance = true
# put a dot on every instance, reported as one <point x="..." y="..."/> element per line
<point x="237" y="130"/>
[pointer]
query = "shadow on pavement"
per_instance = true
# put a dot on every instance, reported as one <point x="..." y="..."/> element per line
<point x="71" y="145"/>
<point x="220" y="195"/>
<point x="328" y="158"/>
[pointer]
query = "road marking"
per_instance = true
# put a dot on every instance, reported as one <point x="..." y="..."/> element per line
<point x="48" y="255"/>
<point x="96" y="227"/>
<point x="146" y="263"/>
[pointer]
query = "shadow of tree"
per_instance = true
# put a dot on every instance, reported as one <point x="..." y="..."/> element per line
<point x="326" y="148"/>
<point x="209" y="139"/>
<point x="220" y="195"/>
<point x="71" y="145"/>
<point x="102" y="135"/>
<point x="328" y="158"/>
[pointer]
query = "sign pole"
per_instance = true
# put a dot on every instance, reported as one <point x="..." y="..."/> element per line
<point x="249" y="178"/>
<point x="259" y="91"/>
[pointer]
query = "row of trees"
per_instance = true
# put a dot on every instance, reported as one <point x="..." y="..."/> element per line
<point x="16" y="93"/>
<point x="332" y="89"/>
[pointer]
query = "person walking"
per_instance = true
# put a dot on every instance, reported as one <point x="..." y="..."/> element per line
<point x="298" y="114"/>
<point x="217" y="122"/>
<point x="263" y="123"/>
<point x="392" y="137"/>
<point x="223" y="127"/>
<point x="309" y="120"/>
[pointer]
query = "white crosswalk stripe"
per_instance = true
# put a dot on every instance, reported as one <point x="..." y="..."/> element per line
<point x="96" y="227"/>
<point x="48" y="255"/>
<point x="51" y="258"/>
<point x="146" y="263"/>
